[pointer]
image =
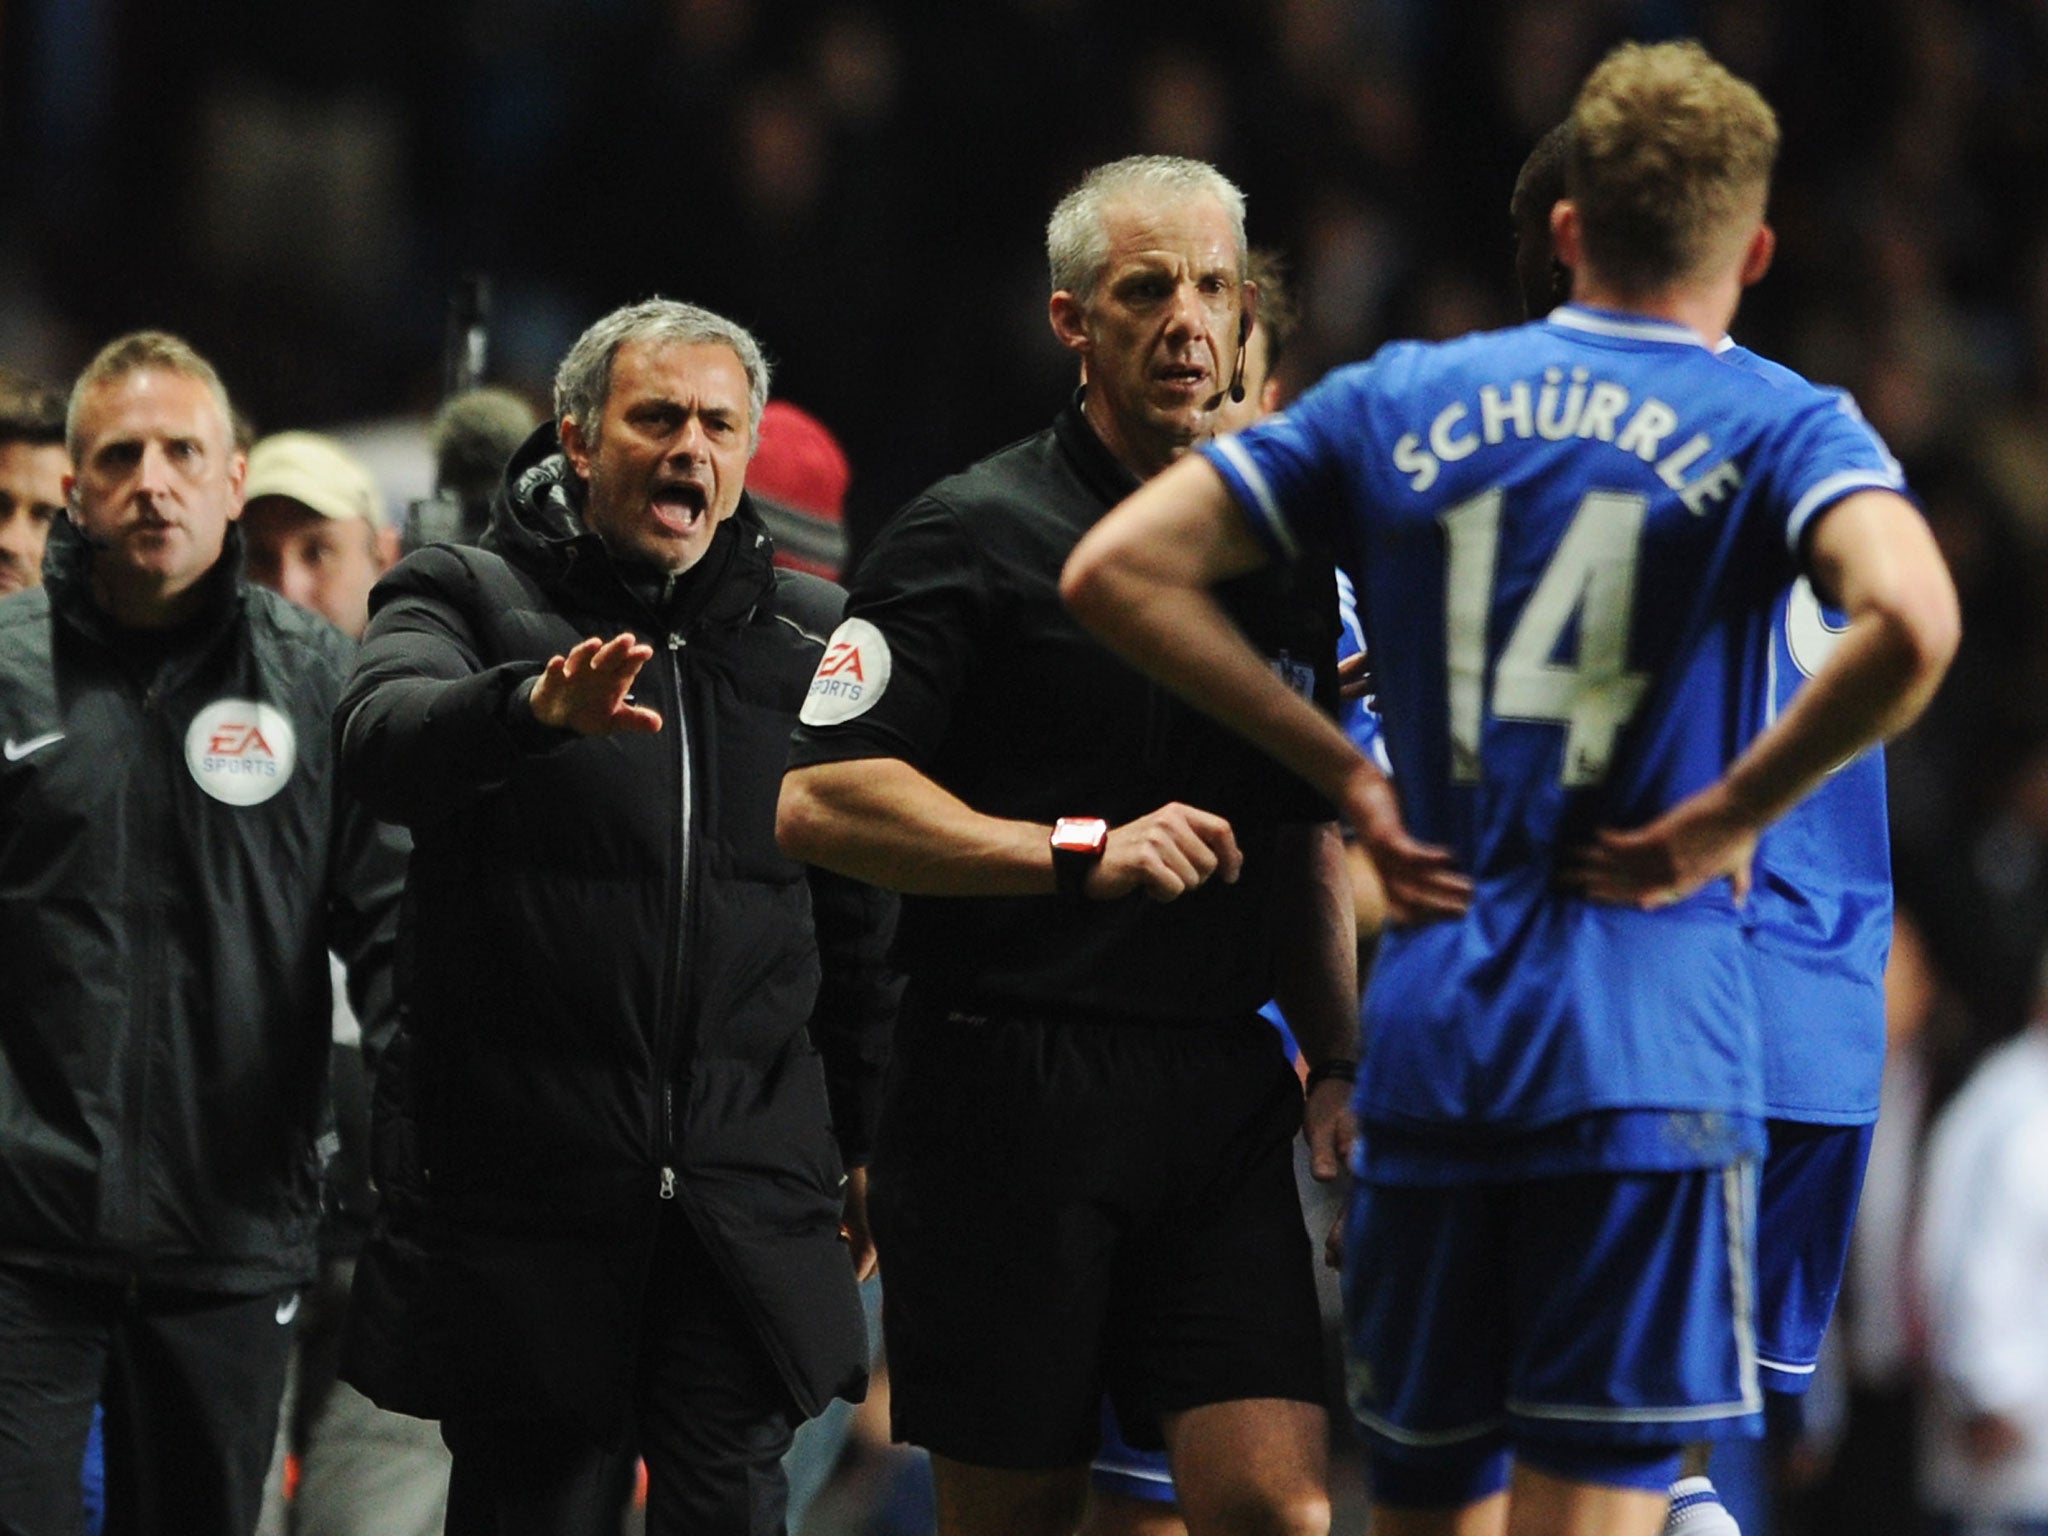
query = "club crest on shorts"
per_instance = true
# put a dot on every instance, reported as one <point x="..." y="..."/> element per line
<point x="241" y="752"/>
<point x="852" y="674"/>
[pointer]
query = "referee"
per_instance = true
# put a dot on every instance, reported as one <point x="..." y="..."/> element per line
<point x="1083" y="1178"/>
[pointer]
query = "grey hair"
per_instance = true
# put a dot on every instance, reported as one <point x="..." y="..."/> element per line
<point x="583" y="383"/>
<point x="133" y="353"/>
<point x="1077" y="238"/>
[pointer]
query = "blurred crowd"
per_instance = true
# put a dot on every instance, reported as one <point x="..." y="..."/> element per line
<point x="298" y="189"/>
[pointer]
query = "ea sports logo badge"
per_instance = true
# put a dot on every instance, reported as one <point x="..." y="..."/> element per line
<point x="852" y="674"/>
<point x="240" y="752"/>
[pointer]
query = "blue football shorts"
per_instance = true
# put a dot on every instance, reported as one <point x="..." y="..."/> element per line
<point x="1806" y="1208"/>
<point x="1120" y="1467"/>
<point x="1590" y="1323"/>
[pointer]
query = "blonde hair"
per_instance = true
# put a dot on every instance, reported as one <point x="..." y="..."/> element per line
<point x="133" y="353"/>
<point x="1669" y="156"/>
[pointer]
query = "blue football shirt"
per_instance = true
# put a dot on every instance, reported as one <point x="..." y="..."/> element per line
<point x="1565" y="537"/>
<point x="1820" y="911"/>
<point x="1358" y="717"/>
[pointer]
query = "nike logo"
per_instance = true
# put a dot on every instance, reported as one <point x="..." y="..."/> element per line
<point x="17" y="750"/>
<point x="288" y="1309"/>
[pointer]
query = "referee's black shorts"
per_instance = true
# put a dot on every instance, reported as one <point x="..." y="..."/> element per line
<point x="1065" y="1207"/>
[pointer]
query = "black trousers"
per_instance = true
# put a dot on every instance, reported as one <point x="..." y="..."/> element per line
<point x="710" y="1415"/>
<point x="191" y="1382"/>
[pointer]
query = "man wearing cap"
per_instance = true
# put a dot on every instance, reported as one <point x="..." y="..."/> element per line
<point x="315" y="527"/>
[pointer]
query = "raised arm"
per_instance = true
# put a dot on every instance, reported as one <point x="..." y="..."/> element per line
<point x="427" y="721"/>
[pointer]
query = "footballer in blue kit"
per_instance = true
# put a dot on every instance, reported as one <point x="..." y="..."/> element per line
<point x="1604" y="582"/>
<point x="1820" y="928"/>
<point x="1566" y="536"/>
<point x="1820" y="919"/>
<point x="1819" y="916"/>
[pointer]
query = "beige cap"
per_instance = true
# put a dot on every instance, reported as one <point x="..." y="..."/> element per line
<point x="316" y="472"/>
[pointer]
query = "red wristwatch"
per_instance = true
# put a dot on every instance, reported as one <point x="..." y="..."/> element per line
<point x="1077" y="844"/>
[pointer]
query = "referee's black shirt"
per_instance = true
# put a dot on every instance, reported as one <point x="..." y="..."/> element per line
<point x="994" y="692"/>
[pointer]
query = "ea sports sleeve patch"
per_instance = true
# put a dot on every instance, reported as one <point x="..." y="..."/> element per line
<point x="852" y="675"/>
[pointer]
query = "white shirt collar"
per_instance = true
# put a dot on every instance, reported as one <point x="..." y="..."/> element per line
<point x="1604" y="322"/>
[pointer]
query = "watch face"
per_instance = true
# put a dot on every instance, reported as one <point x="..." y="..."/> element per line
<point x="1080" y="834"/>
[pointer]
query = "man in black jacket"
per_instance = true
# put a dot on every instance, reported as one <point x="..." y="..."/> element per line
<point x="175" y="865"/>
<point x="631" y="1223"/>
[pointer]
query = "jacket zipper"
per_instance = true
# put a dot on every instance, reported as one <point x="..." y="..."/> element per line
<point x="150" y="986"/>
<point x="672" y="1021"/>
<point x="671" y="1018"/>
<point x="668" y="1026"/>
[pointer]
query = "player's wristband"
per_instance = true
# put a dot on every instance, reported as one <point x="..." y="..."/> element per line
<point x="1342" y="1068"/>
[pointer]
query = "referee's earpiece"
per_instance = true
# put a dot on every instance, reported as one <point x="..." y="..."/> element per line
<point x="1235" y="389"/>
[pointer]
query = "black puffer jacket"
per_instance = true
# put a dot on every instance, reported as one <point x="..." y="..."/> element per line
<point x="609" y="969"/>
<point x="175" y="863"/>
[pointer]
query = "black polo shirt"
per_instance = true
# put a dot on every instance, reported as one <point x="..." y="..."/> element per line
<point x="958" y="657"/>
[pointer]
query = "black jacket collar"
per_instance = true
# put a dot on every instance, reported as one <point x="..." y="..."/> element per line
<point x="67" y="572"/>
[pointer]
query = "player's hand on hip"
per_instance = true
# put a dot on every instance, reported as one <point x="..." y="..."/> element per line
<point x="1701" y="839"/>
<point x="1423" y="884"/>
<point x="1166" y="854"/>
<point x="585" y="691"/>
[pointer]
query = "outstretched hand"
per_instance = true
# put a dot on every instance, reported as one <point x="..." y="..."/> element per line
<point x="1698" y="840"/>
<point x="585" y="691"/>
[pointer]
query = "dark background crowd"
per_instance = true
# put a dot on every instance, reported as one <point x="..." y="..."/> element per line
<point x="298" y="189"/>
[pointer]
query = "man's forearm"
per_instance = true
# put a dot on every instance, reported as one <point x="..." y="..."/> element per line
<point x="882" y="821"/>
<point x="1316" y="980"/>
<point x="1875" y="552"/>
<point x="1868" y="692"/>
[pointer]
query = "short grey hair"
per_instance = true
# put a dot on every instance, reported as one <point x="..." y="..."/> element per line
<point x="135" y="353"/>
<point x="584" y="381"/>
<point x="1077" y="238"/>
